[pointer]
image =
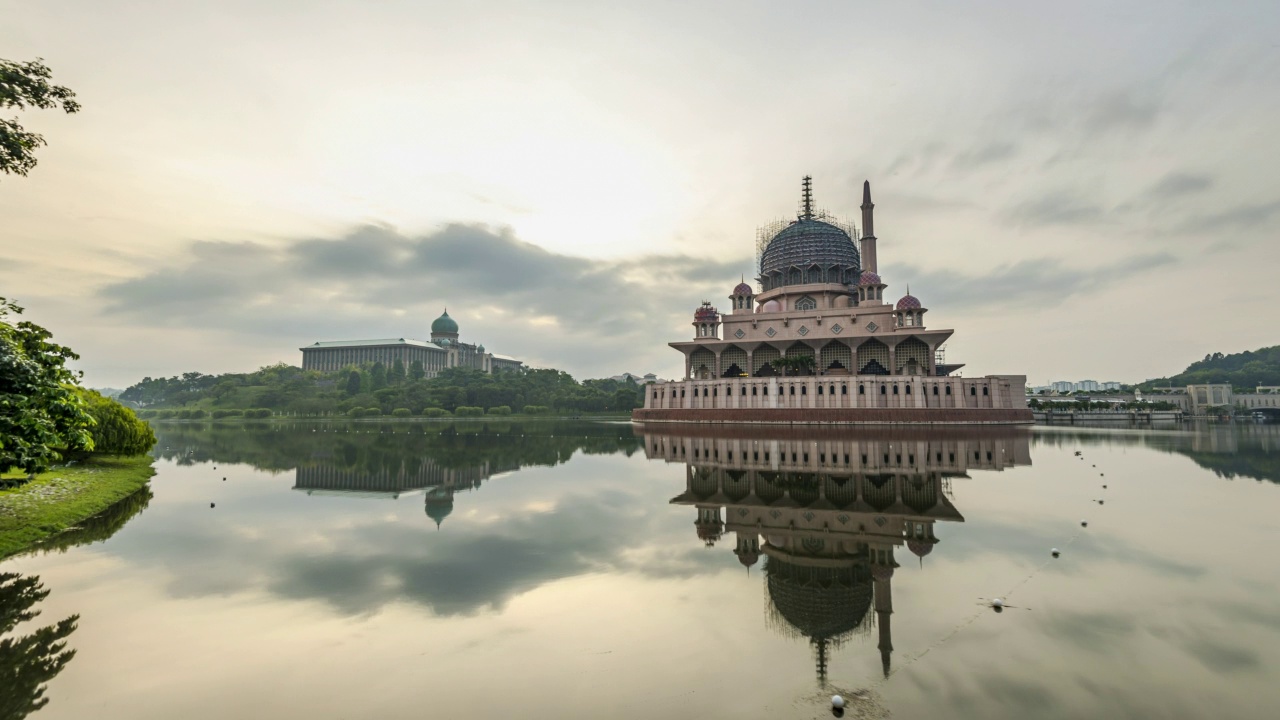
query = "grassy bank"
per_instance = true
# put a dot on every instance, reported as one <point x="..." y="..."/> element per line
<point x="66" y="496"/>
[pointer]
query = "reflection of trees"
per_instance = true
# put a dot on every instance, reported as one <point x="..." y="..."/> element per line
<point x="1228" y="450"/>
<point x="100" y="526"/>
<point x="28" y="662"/>
<point x="386" y="447"/>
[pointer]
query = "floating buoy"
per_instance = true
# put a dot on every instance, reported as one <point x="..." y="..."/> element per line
<point x="1100" y="502"/>
<point x="837" y="702"/>
<point x="1104" y="487"/>
<point x="1055" y="552"/>
<point x="210" y="504"/>
<point x="1084" y="523"/>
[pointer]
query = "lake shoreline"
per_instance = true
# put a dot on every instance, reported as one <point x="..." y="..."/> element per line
<point x="63" y="497"/>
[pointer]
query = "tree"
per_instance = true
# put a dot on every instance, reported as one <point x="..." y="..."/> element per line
<point x="353" y="383"/>
<point x="40" y="414"/>
<point x="397" y="374"/>
<point x="28" y="663"/>
<point x="116" y="430"/>
<point x="24" y="85"/>
<point x="416" y="370"/>
<point x="377" y="376"/>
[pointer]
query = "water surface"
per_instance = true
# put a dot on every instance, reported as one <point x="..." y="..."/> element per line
<point x="575" y="569"/>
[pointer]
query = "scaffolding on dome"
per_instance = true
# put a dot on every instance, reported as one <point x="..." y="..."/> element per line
<point x="767" y="232"/>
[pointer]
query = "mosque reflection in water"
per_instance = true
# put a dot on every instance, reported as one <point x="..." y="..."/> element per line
<point x="437" y="482"/>
<point x="826" y="511"/>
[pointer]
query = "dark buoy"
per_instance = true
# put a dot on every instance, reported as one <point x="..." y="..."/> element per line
<point x="1084" y="523"/>
<point x="1104" y="487"/>
<point x="1055" y="552"/>
<point x="210" y="504"/>
<point x="224" y="479"/>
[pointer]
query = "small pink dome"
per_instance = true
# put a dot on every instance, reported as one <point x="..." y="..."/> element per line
<point x="920" y="547"/>
<point x="869" y="278"/>
<point x="881" y="572"/>
<point x="771" y="306"/>
<point x="743" y="289"/>
<point x="908" y="302"/>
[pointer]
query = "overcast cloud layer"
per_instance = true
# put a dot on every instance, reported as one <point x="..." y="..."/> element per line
<point x="1079" y="192"/>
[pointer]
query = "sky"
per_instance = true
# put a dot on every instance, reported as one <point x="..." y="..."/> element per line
<point x="1083" y="191"/>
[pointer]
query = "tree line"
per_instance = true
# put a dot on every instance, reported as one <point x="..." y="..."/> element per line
<point x="378" y="389"/>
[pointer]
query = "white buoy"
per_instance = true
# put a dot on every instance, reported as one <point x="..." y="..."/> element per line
<point x="997" y="603"/>
<point x="1054" y="552"/>
<point x="837" y="702"/>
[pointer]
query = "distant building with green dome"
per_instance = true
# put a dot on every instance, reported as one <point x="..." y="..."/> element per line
<point x="443" y="350"/>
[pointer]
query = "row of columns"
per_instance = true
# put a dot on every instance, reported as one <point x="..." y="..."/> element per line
<point x="930" y="366"/>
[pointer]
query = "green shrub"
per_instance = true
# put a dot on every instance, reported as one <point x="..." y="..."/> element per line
<point x="402" y="412"/>
<point x="145" y="414"/>
<point x="165" y="414"/>
<point x="257" y="413"/>
<point x="433" y="412"/>
<point x="468" y="411"/>
<point x="356" y="412"/>
<point x="116" y="430"/>
<point x="536" y="409"/>
<point x="500" y="410"/>
<point x="219" y="414"/>
<point x="373" y="412"/>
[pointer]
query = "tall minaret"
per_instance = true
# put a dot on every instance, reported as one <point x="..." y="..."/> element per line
<point x="868" y="230"/>
<point x="882" y="594"/>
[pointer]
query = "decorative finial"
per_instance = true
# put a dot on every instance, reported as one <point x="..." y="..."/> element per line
<point x="807" y="197"/>
<point x="866" y="192"/>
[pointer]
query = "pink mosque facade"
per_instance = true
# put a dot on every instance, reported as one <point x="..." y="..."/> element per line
<point x="819" y="343"/>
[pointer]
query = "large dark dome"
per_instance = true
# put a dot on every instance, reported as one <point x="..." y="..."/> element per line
<point x="822" y="603"/>
<point x="810" y="251"/>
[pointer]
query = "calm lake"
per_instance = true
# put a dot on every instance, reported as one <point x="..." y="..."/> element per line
<point x="592" y="569"/>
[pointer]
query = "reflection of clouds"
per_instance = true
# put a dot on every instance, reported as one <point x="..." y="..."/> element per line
<point x="347" y="555"/>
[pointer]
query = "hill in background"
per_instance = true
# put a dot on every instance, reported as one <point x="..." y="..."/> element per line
<point x="1242" y="370"/>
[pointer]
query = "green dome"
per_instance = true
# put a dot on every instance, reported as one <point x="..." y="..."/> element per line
<point x="444" y="324"/>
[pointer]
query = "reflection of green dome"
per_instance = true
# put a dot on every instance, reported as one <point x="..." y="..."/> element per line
<point x="439" y="504"/>
<point x="444" y="324"/>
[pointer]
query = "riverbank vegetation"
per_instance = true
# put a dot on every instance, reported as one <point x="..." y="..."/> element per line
<point x="374" y="390"/>
<point x="65" y="496"/>
<point x="66" y="453"/>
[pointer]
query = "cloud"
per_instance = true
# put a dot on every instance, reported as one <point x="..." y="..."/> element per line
<point x="575" y="311"/>
<point x="991" y="152"/>
<point x="1178" y="184"/>
<point x="1249" y="215"/>
<point x="1041" y="282"/>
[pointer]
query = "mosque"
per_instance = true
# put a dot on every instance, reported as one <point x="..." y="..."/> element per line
<point x="824" y="514"/>
<point x="444" y="350"/>
<point x="819" y="343"/>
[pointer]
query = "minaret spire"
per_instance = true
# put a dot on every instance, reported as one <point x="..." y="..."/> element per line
<point x="807" y="197"/>
<point x="868" y="242"/>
